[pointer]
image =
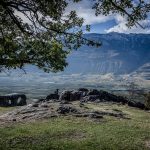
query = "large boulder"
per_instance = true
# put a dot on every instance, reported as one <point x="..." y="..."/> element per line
<point x="13" y="100"/>
<point x="70" y="95"/>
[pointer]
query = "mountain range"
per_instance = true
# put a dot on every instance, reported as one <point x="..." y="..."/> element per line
<point x="119" y="54"/>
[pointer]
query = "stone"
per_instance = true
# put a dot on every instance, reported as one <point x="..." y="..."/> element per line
<point x="65" y="96"/>
<point x="70" y="95"/>
<point x="13" y="100"/>
<point x="35" y="105"/>
<point x="95" y="116"/>
<point x="100" y="96"/>
<point x="66" y="110"/>
<point x="75" y="95"/>
<point x="97" y="96"/>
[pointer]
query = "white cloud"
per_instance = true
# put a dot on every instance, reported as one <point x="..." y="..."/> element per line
<point x="84" y="10"/>
<point x="122" y="28"/>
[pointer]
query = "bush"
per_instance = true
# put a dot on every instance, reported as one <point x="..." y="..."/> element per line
<point x="147" y="100"/>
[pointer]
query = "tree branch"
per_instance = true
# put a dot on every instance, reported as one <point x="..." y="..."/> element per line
<point x="124" y="11"/>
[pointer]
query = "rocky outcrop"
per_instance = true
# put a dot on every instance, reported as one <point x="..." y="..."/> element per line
<point x="13" y="100"/>
<point x="90" y="95"/>
<point x="29" y="112"/>
<point x="49" y="109"/>
<point x="94" y="95"/>
<point x="82" y="95"/>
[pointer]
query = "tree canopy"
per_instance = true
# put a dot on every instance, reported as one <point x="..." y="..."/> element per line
<point x="39" y="32"/>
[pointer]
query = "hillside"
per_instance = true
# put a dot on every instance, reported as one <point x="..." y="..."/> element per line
<point x="110" y="131"/>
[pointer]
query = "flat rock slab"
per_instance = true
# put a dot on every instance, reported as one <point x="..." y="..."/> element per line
<point x="45" y="110"/>
<point x="29" y="112"/>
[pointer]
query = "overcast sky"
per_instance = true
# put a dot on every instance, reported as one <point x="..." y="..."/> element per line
<point x="104" y="24"/>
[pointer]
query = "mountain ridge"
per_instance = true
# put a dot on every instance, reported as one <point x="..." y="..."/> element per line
<point x="119" y="54"/>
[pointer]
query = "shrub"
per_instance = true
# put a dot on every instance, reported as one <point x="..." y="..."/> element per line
<point x="147" y="100"/>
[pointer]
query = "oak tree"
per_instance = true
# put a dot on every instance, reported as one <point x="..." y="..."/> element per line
<point x="39" y="32"/>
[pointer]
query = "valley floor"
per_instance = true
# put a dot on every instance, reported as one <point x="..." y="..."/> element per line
<point x="67" y="132"/>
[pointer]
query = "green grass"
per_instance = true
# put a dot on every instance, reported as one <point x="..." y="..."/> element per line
<point x="6" y="109"/>
<point x="70" y="133"/>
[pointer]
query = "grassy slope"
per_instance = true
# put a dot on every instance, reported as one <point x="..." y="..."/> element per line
<point x="69" y="133"/>
<point x="6" y="109"/>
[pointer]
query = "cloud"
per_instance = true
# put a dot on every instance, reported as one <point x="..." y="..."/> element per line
<point x="85" y="11"/>
<point x="122" y="28"/>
